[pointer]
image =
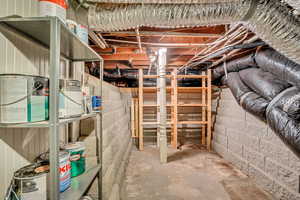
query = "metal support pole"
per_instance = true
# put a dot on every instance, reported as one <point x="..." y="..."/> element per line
<point x="99" y="134"/>
<point x="162" y="105"/>
<point x="53" y="113"/>
<point x="141" y="109"/>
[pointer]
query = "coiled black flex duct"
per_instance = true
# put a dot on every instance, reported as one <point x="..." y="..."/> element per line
<point x="270" y="91"/>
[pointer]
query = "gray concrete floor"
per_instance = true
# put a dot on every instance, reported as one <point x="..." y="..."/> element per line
<point x="191" y="174"/>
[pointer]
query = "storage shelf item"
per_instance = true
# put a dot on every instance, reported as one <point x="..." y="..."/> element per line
<point x="80" y="184"/>
<point x="53" y="35"/>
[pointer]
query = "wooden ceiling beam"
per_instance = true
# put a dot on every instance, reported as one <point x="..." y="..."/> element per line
<point x="140" y="57"/>
<point x="162" y="34"/>
<point x="141" y="63"/>
<point x="135" y="50"/>
<point x="172" y="42"/>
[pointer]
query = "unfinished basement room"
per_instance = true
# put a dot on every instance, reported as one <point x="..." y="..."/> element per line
<point x="150" y="99"/>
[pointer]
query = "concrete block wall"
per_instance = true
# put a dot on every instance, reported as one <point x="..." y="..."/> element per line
<point x="253" y="147"/>
<point x="117" y="141"/>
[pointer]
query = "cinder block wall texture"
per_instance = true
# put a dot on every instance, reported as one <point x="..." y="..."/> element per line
<point x="253" y="147"/>
<point x="117" y="141"/>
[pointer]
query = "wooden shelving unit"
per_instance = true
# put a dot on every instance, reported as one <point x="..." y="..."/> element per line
<point x="204" y="106"/>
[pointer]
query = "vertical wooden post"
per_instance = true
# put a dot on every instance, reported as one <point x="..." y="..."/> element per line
<point x="141" y="105"/>
<point x="132" y="109"/>
<point x="209" y="91"/>
<point x="204" y="109"/>
<point x="174" y="107"/>
<point x="157" y="108"/>
<point x="136" y="120"/>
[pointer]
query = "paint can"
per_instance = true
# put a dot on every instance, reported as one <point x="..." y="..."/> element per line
<point x="96" y="103"/>
<point x="64" y="168"/>
<point x="83" y="33"/>
<point x="56" y="8"/>
<point x="72" y="25"/>
<point x="77" y="158"/>
<point x="23" y="98"/>
<point x="31" y="182"/>
<point x="70" y="99"/>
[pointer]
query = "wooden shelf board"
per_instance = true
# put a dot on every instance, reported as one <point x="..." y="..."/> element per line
<point x="192" y="122"/>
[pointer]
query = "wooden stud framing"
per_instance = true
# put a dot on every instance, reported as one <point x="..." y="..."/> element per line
<point x="205" y="107"/>
<point x="209" y="120"/>
<point x="174" y="112"/>
<point x="203" y="130"/>
<point x="136" y="120"/>
<point x="141" y="113"/>
<point x="133" y="128"/>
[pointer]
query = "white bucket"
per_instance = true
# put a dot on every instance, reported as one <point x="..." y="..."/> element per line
<point x="56" y="8"/>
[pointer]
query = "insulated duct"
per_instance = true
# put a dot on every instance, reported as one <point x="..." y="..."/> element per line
<point x="245" y="97"/>
<point x="263" y="83"/>
<point x="271" y="20"/>
<point x="155" y="1"/>
<point x="234" y="66"/>
<point x="278" y="65"/>
<point x="286" y="128"/>
<point x="270" y="92"/>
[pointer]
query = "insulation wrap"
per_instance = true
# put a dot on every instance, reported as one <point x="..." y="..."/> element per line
<point x="286" y="128"/>
<point x="263" y="83"/>
<point x="255" y="104"/>
<point x="277" y="64"/>
<point x="249" y="100"/>
<point x="271" y="20"/>
<point x="236" y="85"/>
<point x="288" y="101"/>
<point x="234" y="66"/>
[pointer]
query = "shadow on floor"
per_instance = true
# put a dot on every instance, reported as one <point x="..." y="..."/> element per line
<point x="189" y="151"/>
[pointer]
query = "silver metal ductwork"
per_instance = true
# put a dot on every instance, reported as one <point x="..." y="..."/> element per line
<point x="156" y="1"/>
<point x="271" y="20"/>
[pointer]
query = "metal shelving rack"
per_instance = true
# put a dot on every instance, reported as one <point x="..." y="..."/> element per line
<point x="52" y="34"/>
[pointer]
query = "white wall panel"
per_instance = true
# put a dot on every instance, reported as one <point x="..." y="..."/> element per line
<point x="19" y="147"/>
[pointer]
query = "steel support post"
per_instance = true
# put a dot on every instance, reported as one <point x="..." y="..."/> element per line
<point x="54" y="103"/>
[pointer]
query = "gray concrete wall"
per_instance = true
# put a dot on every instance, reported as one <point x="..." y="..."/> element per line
<point x="116" y="142"/>
<point x="253" y="147"/>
